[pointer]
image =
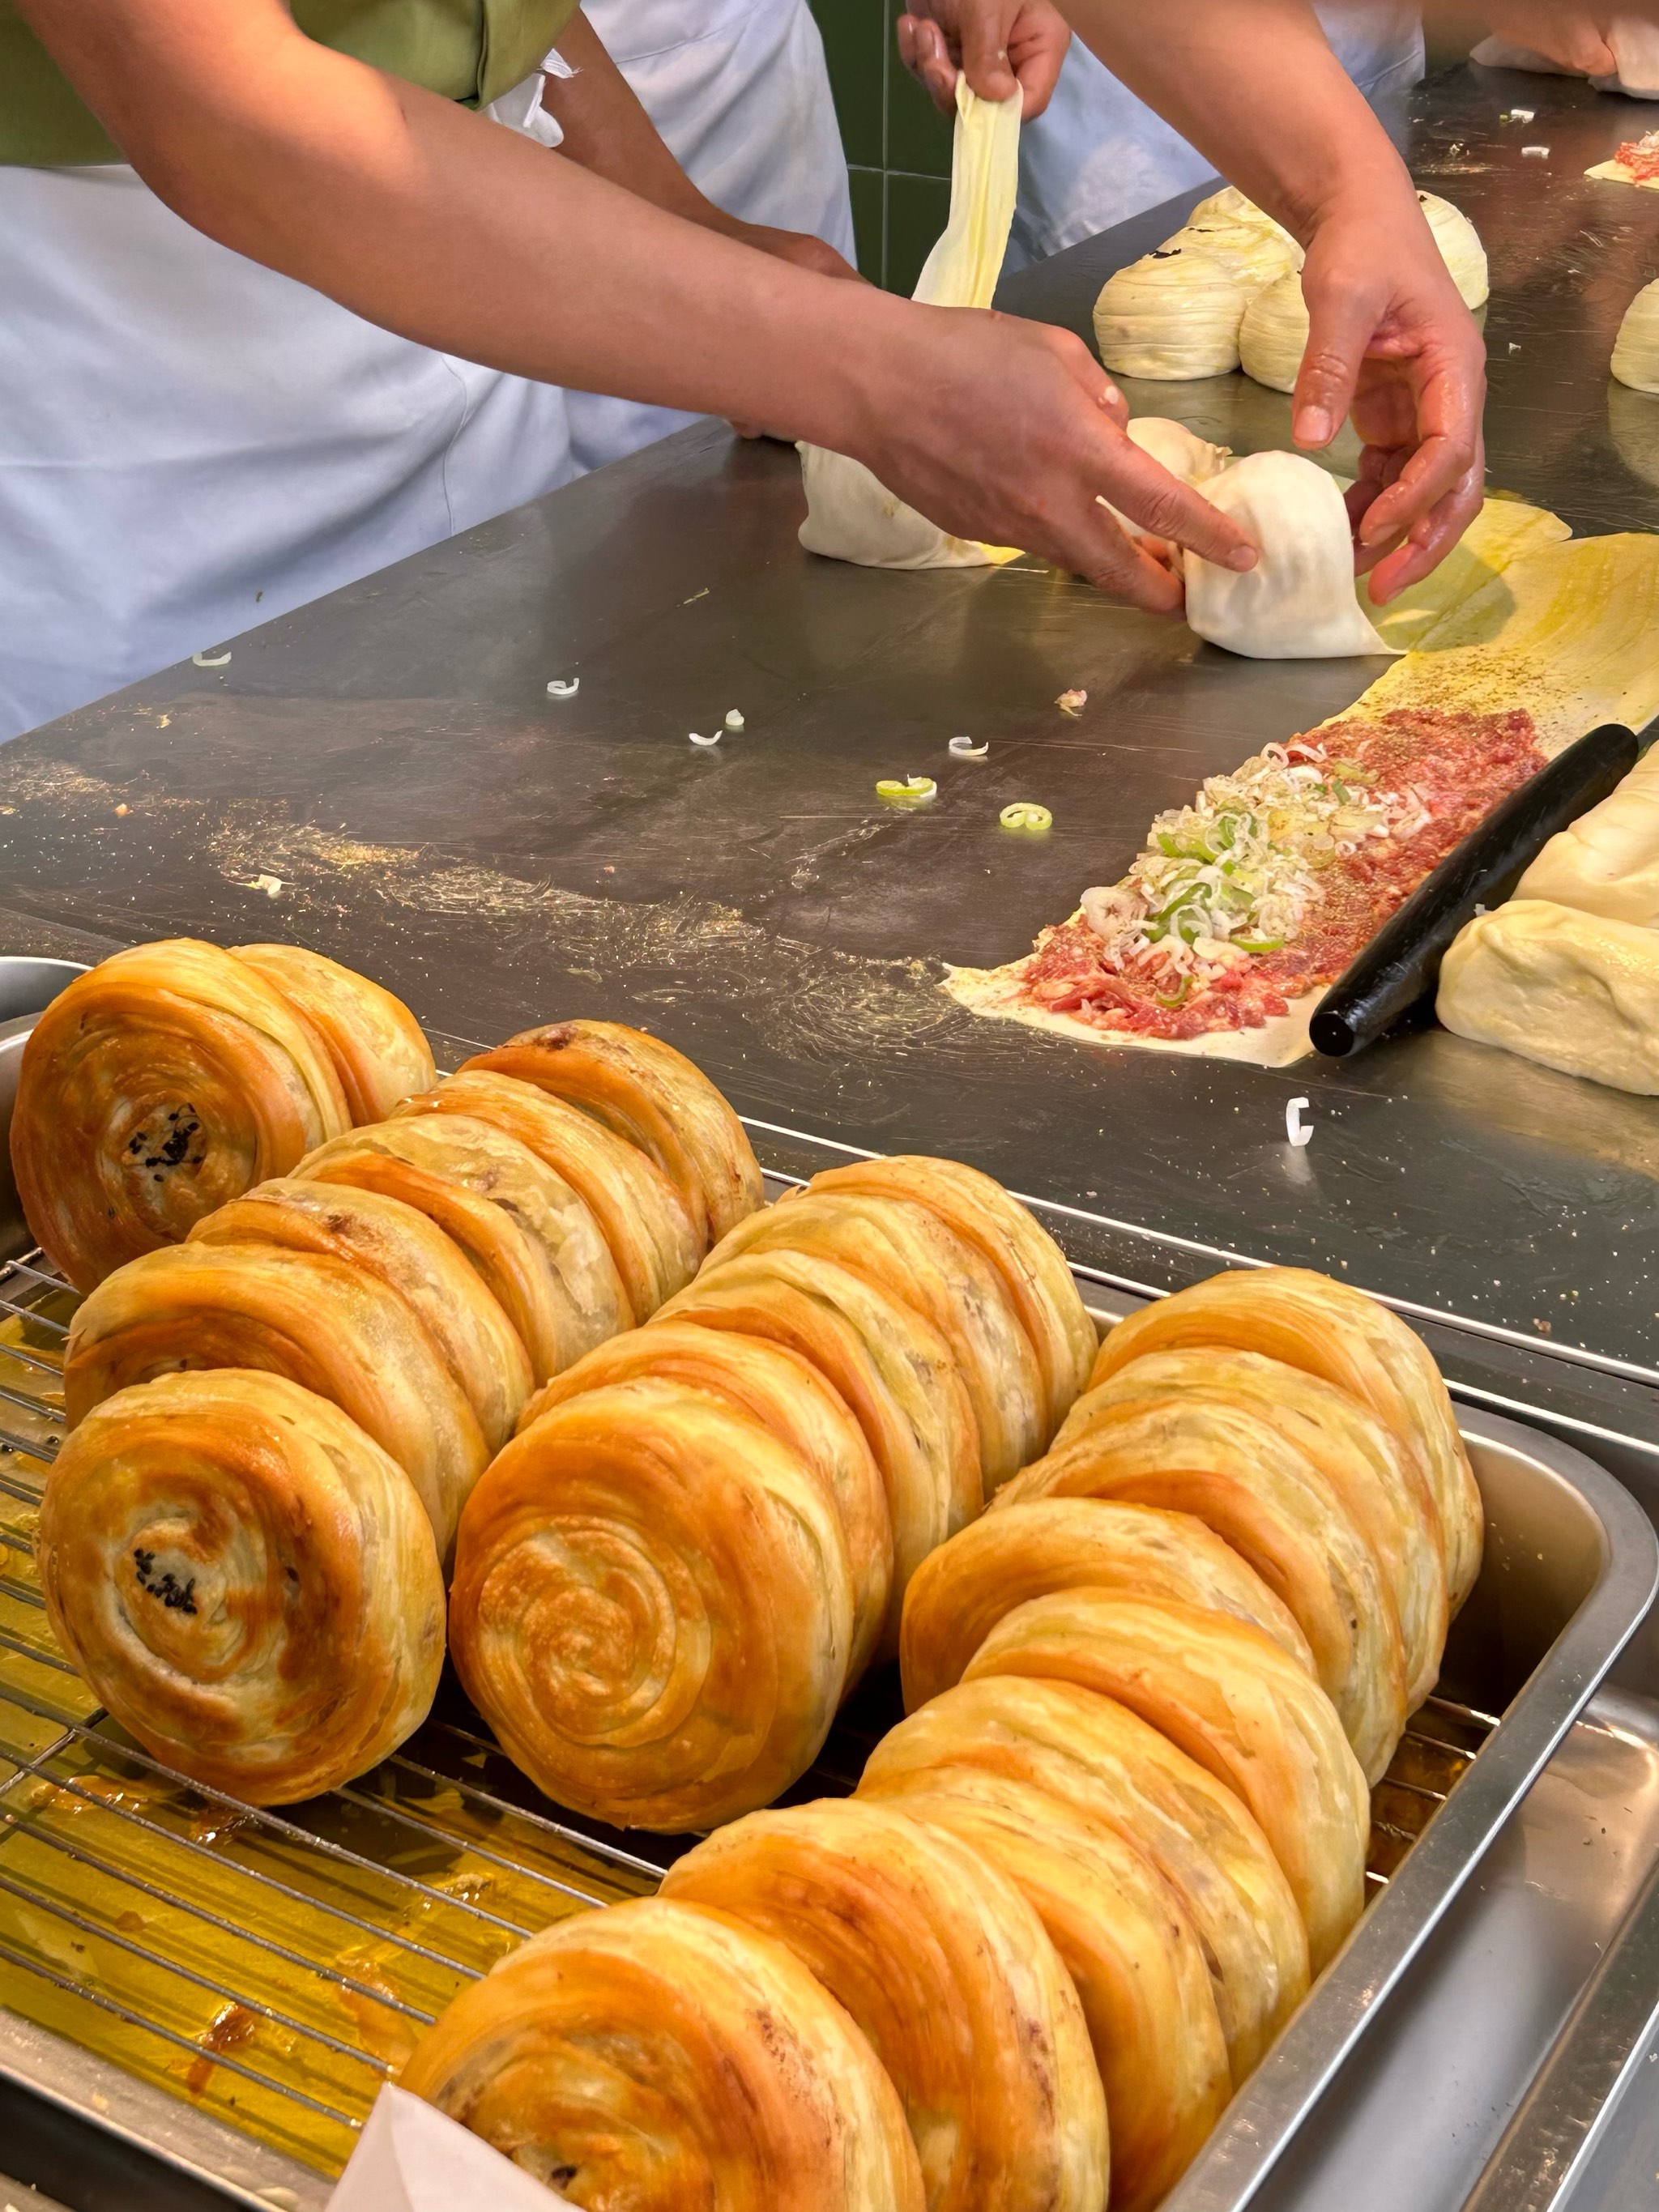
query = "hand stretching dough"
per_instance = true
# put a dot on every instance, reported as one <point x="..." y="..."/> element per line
<point x="1298" y="603"/>
<point x="655" y="2057"/>
<point x="948" y="1971"/>
<point x="245" y="1580"/>
<point x="1607" y="862"/>
<point x="1572" y="990"/>
<point x="850" y="516"/>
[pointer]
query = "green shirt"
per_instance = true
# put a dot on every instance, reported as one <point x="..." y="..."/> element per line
<point x="465" y="50"/>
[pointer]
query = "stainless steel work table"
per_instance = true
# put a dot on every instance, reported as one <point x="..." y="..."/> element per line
<point x="390" y="758"/>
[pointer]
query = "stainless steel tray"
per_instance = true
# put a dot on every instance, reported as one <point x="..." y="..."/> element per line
<point x="226" y="1989"/>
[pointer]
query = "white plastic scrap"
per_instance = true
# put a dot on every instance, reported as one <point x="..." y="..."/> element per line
<point x="1535" y="153"/>
<point x="1295" y="1131"/>
<point x="211" y="659"/>
<point x="1517" y="115"/>
<point x="564" y="688"/>
<point x="965" y="749"/>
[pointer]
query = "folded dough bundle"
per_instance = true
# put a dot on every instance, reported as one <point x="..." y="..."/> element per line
<point x="660" y="2057"/>
<point x="246" y="1579"/>
<point x="630" y="1609"/>
<point x="1607" y="862"/>
<point x="1298" y="603"/>
<point x="1636" y="349"/>
<point x="175" y="1076"/>
<point x="1574" y="991"/>
<point x="948" y="1971"/>
<point x="1634" y="40"/>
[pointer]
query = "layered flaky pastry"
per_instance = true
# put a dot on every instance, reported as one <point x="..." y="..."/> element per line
<point x="247" y="1581"/>
<point x="656" y="2057"/>
<point x="888" y="1362"/>
<point x="532" y="1238"/>
<point x="1231" y="1700"/>
<point x="654" y="1606"/>
<point x="1027" y="1260"/>
<point x="1044" y="1545"/>
<point x="651" y="1095"/>
<point x="1125" y="1940"/>
<point x="400" y="1247"/>
<point x="640" y="1215"/>
<point x="1327" y="1329"/>
<point x="787" y="1396"/>
<point x="907" y="1252"/>
<point x="1361" y="1458"/>
<point x="947" y="1969"/>
<point x="322" y="1321"/>
<point x="379" y="1049"/>
<point x="1094" y="1753"/>
<point x="165" y="1081"/>
<point x="1233" y="1470"/>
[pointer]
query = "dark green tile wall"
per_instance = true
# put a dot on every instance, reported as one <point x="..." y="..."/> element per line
<point x="898" y="146"/>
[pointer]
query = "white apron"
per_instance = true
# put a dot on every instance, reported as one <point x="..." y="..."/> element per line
<point x="1098" y="156"/>
<point x="740" y="93"/>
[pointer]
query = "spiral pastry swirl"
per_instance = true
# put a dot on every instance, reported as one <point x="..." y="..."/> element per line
<point x="379" y="1049"/>
<point x="247" y="1581"/>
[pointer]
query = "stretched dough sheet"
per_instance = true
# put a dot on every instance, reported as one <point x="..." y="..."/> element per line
<point x="1519" y="615"/>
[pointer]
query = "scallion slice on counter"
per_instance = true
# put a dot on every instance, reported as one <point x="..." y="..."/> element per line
<point x="1026" y="818"/>
<point x="907" y="791"/>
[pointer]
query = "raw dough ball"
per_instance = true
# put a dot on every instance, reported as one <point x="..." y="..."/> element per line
<point x="1608" y="861"/>
<point x="1249" y="245"/>
<point x="1298" y="603"/>
<point x="1571" y="990"/>
<point x="1172" y="316"/>
<point x="1636" y="349"/>
<point x="1459" y="248"/>
<point x="1178" y="449"/>
<point x="1273" y="336"/>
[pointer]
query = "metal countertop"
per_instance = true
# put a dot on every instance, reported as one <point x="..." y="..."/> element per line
<point x="391" y="754"/>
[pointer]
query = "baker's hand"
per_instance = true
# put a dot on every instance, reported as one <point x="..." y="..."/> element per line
<point x="1013" y="434"/>
<point x="999" y="45"/>
<point x="1573" y="38"/>
<point x="1392" y="344"/>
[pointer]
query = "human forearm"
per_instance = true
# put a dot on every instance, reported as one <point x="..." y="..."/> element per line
<point x="608" y="133"/>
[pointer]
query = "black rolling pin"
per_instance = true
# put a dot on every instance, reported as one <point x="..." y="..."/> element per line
<point x="1401" y="963"/>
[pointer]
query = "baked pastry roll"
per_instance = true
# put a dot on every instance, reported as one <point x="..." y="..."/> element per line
<point x="1093" y="1753"/>
<point x="787" y="1395"/>
<point x="165" y="1081"/>
<point x="379" y="1049"/>
<point x="890" y="1366"/>
<point x="653" y="1607"/>
<point x="654" y="1097"/>
<point x="531" y="1239"/>
<point x="245" y="1580"/>
<point x="640" y="1215"/>
<point x="947" y="1968"/>
<point x="1234" y="1472"/>
<point x="1329" y="1330"/>
<point x="1367" y="1467"/>
<point x="960" y="1592"/>
<point x="656" y="2057"/>
<point x="1028" y="1262"/>
<point x="401" y="1248"/>
<point x="1233" y="1701"/>
<point x="325" y="1324"/>
<point x="1125" y="1940"/>
<point x="907" y="1252"/>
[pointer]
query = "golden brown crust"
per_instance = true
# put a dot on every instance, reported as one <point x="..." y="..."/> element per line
<point x="401" y="1248"/>
<point x="1329" y="1330"/>
<point x="1360" y="1455"/>
<point x="906" y="1251"/>
<point x="652" y="1607"/>
<point x="1031" y="1266"/>
<point x="654" y="1097"/>
<point x="1020" y="1551"/>
<point x="1095" y="1754"/>
<point x="640" y="1213"/>
<point x="379" y="1049"/>
<point x="892" y="1367"/>
<point x="948" y="1971"/>
<point x="1130" y="1950"/>
<point x="1228" y="1697"/>
<point x="654" y="2058"/>
<point x="530" y="1237"/>
<point x="788" y="1396"/>
<point x="1236" y="1472"/>
<point x="322" y="1322"/>
<point x="165" y="1081"/>
<point x="245" y="1580"/>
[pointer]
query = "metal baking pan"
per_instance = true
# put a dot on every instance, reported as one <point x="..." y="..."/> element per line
<point x="223" y="1990"/>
